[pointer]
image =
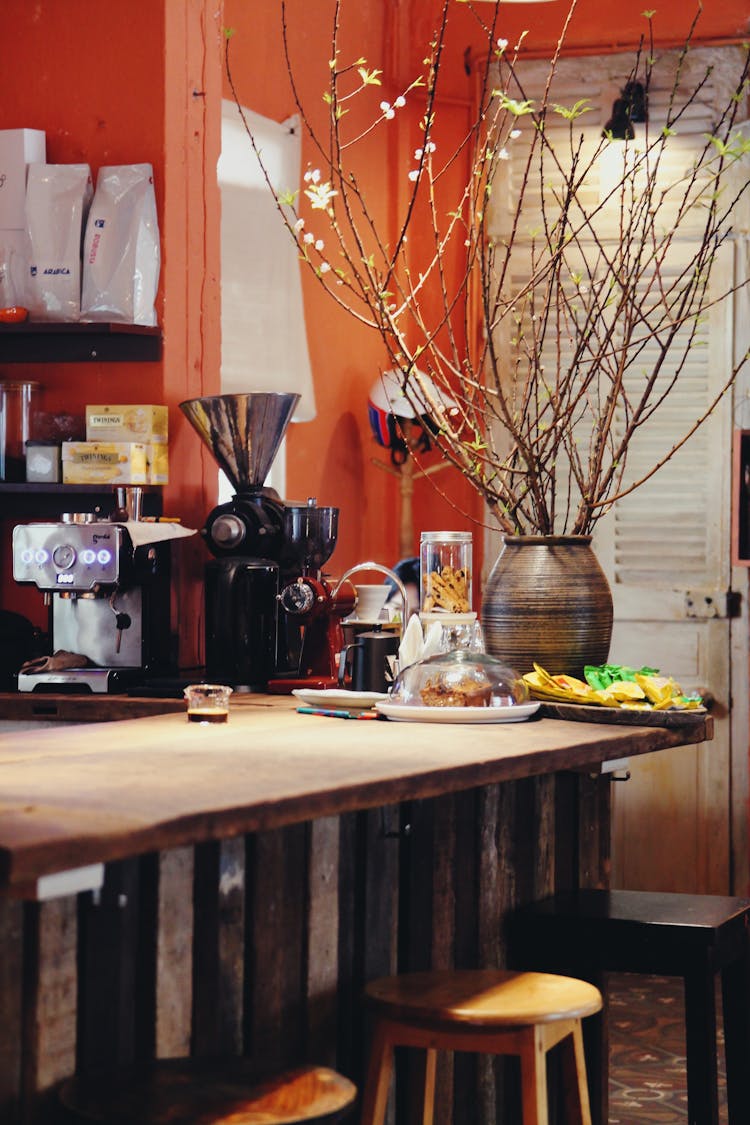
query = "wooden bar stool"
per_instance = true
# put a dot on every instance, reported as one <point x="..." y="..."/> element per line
<point x="590" y="932"/>
<point x="488" y="1012"/>
<point x="194" y="1092"/>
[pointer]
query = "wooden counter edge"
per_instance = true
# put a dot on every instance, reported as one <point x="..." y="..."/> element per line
<point x="80" y="708"/>
<point x="76" y="847"/>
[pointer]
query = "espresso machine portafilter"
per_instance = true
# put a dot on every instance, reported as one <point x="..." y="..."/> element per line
<point x="264" y="549"/>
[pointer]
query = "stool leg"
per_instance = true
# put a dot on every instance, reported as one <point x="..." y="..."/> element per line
<point x="422" y="1110"/>
<point x="700" y="1034"/>
<point x="575" y="1087"/>
<point x="378" y="1080"/>
<point x="735" y="985"/>
<point x="596" y="1040"/>
<point x="534" y="1077"/>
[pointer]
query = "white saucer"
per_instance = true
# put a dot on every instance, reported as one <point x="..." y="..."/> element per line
<point x="405" y="713"/>
<point x="339" y="697"/>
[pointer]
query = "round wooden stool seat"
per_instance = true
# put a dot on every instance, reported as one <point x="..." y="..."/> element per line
<point x="194" y="1092"/>
<point x="485" y="1011"/>
<point x="483" y="998"/>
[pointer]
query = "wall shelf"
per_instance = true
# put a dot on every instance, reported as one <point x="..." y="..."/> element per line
<point x="49" y="501"/>
<point x="79" y="343"/>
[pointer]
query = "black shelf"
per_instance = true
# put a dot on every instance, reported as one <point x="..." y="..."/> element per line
<point x="79" y="343"/>
<point x="48" y="501"/>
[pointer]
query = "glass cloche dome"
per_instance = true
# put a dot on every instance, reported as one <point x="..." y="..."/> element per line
<point x="459" y="678"/>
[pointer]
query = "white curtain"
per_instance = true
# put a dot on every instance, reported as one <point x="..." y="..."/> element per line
<point x="264" y="342"/>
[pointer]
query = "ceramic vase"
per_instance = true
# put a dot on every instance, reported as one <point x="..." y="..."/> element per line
<point x="547" y="600"/>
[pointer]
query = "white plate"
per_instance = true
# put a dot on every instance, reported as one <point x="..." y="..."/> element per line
<point x="339" y="697"/>
<point x="405" y="713"/>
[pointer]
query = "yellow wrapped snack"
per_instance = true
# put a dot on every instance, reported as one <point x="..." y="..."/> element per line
<point x="640" y="691"/>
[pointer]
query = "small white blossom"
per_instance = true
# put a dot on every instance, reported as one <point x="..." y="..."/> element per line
<point x="417" y="153"/>
<point x="502" y="44"/>
<point x="430" y="146"/>
<point x="324" y="267"/>
<point x="319" y="244"/>
<point x="312" y="176"/>
<point x="503" y="154"/>
<point x="414" y="174"/>
<point x="514" y="133"/>
<point x="320" y="196"/>
<point x="299" y="225"/>
<point x="309" y="238"/>
<point x="400" y="101"/>
<point x="388" y="111"/>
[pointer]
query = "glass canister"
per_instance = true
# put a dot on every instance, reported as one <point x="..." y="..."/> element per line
<point x="445" y="571"/>
<point x="18" y="399"/>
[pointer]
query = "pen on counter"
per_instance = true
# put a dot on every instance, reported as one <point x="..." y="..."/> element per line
<point x="337" y="714"/>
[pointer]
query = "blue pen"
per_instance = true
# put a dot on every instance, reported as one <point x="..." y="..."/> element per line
<point x="337" y="714"/>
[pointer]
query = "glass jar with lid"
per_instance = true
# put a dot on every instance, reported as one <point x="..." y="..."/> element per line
<point x="445" y="571"/>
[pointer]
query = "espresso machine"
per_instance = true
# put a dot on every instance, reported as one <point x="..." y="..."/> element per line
<point x="273" y="621"/>
<point x="110" y="604"/>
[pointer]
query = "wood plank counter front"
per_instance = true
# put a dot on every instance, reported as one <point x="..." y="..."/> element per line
<point x="258" y="873"/>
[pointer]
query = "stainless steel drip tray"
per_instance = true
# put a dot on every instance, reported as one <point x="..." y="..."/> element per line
<point x="82" y="681"/>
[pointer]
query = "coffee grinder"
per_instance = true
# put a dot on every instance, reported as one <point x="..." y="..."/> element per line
<point x="110" y="602"/>
<point x="272" y="621"/>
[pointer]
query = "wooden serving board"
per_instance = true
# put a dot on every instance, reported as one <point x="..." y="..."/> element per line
<point x="620" y="716"/>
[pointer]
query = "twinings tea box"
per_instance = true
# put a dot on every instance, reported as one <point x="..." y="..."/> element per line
<point x="100" y="462"/>
<point x="157" y="457"/>
<point x="131" y="422"/>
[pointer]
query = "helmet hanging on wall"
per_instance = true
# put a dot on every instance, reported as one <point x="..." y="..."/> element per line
<point x="389" y="409"/>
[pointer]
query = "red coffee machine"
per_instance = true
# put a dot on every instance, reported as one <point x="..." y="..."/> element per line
<point x="310" y="607"/>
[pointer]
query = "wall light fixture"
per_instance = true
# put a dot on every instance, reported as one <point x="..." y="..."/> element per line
<point x="631" y="107"/>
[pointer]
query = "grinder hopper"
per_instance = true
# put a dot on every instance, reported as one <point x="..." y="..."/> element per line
<point x="243" y="432"/>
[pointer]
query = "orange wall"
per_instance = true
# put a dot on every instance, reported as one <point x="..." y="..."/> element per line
<point x="595" y="27"/>
<point x="332" y="456"/>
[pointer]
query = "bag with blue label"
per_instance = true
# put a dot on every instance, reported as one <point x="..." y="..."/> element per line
<point x="121" y="253"/>
<point x="57" y="200"/>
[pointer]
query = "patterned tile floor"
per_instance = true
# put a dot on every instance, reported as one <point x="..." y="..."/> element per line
<point x="648" y="1084"/>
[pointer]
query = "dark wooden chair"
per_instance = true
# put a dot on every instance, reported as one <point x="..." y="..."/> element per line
<point x="197" y="1092"/>
<point x="590" y="933"/>
<point x="485" y="1011"/>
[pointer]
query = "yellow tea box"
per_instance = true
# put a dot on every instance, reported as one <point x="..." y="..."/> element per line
<point x="157" y="457"/>
<point x="100" y="462"/>
<point x="133" y="422"/>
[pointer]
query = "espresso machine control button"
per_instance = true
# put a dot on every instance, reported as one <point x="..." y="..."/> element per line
<point x="64" y="556"/>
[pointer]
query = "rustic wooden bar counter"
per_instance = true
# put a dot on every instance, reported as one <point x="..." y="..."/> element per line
<point x="229" y="889"/>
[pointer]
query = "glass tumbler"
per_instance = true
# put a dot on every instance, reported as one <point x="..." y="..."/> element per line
<point x="207" y="703"/>
<point x="18" y="399"/>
